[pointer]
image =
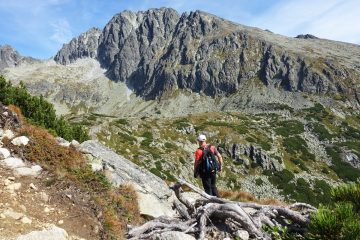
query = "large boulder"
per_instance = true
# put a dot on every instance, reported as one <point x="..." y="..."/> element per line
<point x="4" y="153"/>
<point x="53" y="233"/>
<point x="13" y="162"/>
<point x="20" y="141"/>
<point x="154" y="196"/>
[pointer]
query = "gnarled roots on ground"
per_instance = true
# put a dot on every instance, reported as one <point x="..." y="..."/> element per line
<point x="210" y="213"/>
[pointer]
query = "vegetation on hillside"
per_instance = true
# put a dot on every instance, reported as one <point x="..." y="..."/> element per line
<point x="341" y="219"/>
<point x="162" y="145"/>
<point x="114" y="206"/>
<point x="40" y="112"/>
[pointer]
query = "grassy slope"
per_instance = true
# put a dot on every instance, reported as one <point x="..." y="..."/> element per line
<point x="164" y="147"/>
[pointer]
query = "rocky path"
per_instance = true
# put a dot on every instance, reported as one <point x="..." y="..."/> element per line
<point x="33" y="205"/>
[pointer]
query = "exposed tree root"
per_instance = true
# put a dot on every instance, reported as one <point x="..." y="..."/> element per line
<point x="195" y="218"/>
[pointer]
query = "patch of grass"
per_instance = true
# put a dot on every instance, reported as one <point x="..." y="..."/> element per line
<point x="170" y="145"/>
<point x="289" y="128"/>
<point x="265" y="145"/>
<point x="300" y="164"/>
<point x="116" y="204"/>
<point x="181" y="123"/>
<point x="322" y="132"/>
<point x="297" y="146"/>
<point x="127" y="138"/>
<point x="182" y="160"/>
<point x="343" y="169"/>
<point x="148" y="139"/>
<point x="121" y="121"/>
<point x="352" y="133"/>
<point x="317" y="112"/>
<point x="239" y="128"/>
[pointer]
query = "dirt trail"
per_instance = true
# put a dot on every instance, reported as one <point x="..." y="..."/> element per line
<point x="34" y="203"/>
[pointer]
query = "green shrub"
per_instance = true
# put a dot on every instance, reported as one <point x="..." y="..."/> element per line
<point x="300" y="164"/>
<point x="170" y="145"/>
<point x="352" y="133"/>
<point x="295" y="145"/>
<point x="341" y="220"/>
<point x="289" y="128"/>
<point x="318" y="112"/>
<point x="148" y="139"/>
<point x="338" y="223"/>
<point x="259" y="181"/>
<point x="322" y="132"/>
<point x="348" y="193"/>
<point x="182" y="160"/>
<point x="40" y="112"/>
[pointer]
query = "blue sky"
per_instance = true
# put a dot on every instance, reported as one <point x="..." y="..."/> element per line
<point x="38" y="28"/>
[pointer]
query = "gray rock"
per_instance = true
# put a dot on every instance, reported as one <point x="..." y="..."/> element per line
<point x="7" y="134"/>
<point x="53" y="233"/>
<point x="12" y="214"/>
<point x="351" y="158"/>
<point x="173" y="235"/>
<point x="4" y="153"/>
<point x="28" y="171"/>
<point x="13" y="162"/>
<point x="155" y="197"/>
<point x="74" y="143"/>
<point x="242" y="234"/>
<point x="20" y="141"/>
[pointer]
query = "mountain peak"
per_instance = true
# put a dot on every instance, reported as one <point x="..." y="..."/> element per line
<point x="10" y="57"/>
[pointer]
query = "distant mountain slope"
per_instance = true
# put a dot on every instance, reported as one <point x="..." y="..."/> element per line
<point x="9" y="57"/>
<point x="159" y="50"/>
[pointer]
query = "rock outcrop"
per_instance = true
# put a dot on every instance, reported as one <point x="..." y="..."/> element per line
<point x="243" y="154"/>
<point x="158" y="50"/>
<point x="154" y="196"/>
<point x="84" y="46"/>
<point x="350" y="157"/>
<point x="306" y="36"/>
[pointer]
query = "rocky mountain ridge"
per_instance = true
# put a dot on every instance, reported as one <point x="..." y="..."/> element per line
<point x="159" y="50"/>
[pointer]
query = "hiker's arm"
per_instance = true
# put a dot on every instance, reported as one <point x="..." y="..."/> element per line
<point x="197" y="158"/>
<point x="218" y="155"/>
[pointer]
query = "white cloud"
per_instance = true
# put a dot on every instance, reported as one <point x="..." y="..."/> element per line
<point x="340" y="23"/>
<point x="61" y="31"/>
<point x="332" y="19"/>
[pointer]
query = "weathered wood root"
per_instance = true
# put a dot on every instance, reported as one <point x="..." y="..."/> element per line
<point x="195" y="218"/>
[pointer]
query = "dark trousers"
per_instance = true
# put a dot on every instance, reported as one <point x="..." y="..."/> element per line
<point x="209" y="184"/>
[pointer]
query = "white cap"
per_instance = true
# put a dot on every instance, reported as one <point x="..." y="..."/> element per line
<point x="201" y="138"/>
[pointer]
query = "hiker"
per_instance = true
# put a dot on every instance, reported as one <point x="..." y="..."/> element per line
<point x="207" y="166"/>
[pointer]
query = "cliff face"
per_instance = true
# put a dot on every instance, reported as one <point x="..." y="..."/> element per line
<point x="159" y="50"/>
<point x="83" y="46"/>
